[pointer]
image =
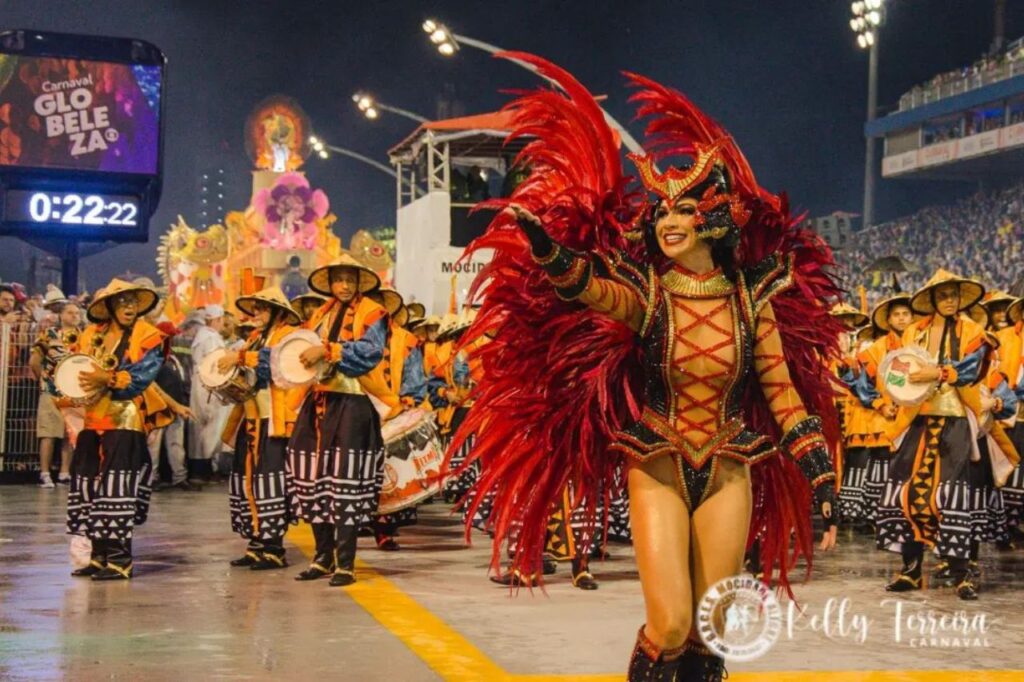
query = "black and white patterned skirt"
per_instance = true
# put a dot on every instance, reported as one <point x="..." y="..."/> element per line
<point x="1013" y="490"/>
<point x="988" y="512"/>
<point x="110" y="485"/>
<point x="335" y="464"/>
<point x="852" y="498"/>
<point x="928" y="496"/>
<point x="258" y="484"/>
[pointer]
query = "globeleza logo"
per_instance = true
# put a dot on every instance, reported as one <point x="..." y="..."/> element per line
<point x="739" y="618"/>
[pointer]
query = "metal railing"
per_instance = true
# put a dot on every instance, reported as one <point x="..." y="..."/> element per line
<point x="19" y="400"/>
<point x="922" y="95"/>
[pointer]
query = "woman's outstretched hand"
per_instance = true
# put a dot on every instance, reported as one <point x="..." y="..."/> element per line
<point x="540" y="243"/>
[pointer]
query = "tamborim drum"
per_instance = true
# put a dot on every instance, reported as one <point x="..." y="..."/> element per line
<point x="895" y="372"/>
<point x="412" y="461"/>
<point x="66" y="375"/>
<point x="234" y="386"/>
<point x="285" y="365"/>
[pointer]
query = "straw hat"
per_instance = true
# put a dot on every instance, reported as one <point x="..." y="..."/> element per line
<point x="979" y="314"/>
<point x="272" y="296"/>
<point x="417" y="310"/>
<point x="298" y="301"/>
<point x="98" y="311"/>
<point x="432" y="321"/>
<point x="996" y="298"/>
<point x="1013" y="313"/>
<point x="390" y="299"/>
<point x="54" y="297"/>
<point x="320" y="279"/>
<point x="880" y="315"/>
<point x="848" y="315"/>
<point x="866" y="333"/>
<point x="448" y="323"/>
<point x="970" y="292"/>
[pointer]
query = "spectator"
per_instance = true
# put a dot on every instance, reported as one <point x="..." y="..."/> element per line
<point x="980" y="237"/>
<point x="51" y="346"/>
<point x="209" y="413"/>
<point x="173" y="386"/>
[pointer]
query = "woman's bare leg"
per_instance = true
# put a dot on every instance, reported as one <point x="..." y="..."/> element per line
<point x="719" y="528"/>
<point x="661" y="540"/>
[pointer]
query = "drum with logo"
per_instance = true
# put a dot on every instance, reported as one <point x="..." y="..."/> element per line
<point x="895" y="371"/>
<point x="285" y="364"/>
<point x="412" y="461"/>
<point x="234" y="386"/>
<point x="66" y="379"/>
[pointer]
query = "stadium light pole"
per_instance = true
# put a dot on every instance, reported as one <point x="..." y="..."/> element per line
<point x="448" y="43"/>
<point x="868" y="16"/>
<point x="324" y="151"/>
<point x="371" y="108"/>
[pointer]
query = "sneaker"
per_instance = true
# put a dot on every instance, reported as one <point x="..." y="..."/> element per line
<point x="45" y="481"/>
<point x="64" y="479"/>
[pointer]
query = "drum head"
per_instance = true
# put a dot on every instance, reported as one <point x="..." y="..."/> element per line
<point x="285" y="363"/>
<point x="895" y="372"/>
<point x="208" y="372"/>
<point x="65" y="375"/>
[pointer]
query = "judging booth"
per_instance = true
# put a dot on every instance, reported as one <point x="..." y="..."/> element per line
<point x="444" y="169"/>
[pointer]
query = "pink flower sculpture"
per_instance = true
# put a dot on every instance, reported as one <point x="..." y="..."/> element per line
<point x="291" y="210"/>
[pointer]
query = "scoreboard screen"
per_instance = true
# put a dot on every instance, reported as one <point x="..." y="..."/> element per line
<point x="80" y="136"/>
<point x="79" y="114"/>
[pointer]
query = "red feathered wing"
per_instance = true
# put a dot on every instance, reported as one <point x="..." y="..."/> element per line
<point x="809" y="334"/>
<point x="558" y="379"/>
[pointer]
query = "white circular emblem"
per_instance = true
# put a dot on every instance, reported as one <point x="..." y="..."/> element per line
<point x="739" y="618"/>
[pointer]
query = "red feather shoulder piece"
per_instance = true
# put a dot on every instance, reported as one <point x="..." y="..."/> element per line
<point x="559" y="379"/>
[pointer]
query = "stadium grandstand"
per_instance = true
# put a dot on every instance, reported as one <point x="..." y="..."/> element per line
<point x="964" y="125"/>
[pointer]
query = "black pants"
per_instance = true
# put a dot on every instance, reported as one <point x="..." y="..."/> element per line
<point x="335" y="545"/>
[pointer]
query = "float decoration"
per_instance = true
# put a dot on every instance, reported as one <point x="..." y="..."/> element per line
<point x="291" y="211"/>
<point x="276" y="133"/>
<point x="191" y="264"/>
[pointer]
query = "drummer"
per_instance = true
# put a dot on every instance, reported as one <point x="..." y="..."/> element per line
<point x="259" y="429"/>
<point x="398" y="382"/>
<point x="856" y="420"/>
<point x="1011" y="359"/>
<point x="336" y="453"/>
<point x="890" y="317"/>
<point x="307" y="304"/>
<point x="110" y="468"/>
<point x="927" y="497"/>
<point x="996" y="304"/>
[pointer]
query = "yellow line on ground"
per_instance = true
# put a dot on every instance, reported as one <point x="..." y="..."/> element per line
<point x="450" y="654"/>
<point x="455" y="659"/>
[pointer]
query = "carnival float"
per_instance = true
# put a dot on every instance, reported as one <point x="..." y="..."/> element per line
<point x="283" y="234"/>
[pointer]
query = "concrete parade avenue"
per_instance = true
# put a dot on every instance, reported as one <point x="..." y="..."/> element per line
<point x="428" y="612"/>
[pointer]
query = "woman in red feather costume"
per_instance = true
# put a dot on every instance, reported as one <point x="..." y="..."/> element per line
<point x="687" y="334"/>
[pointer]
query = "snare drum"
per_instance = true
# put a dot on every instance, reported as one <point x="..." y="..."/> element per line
<point x="412" y="461"/>
<point x="66" y="375"/>
<point x="285" y="364"/>
<point x="234" y="386"/>
<point x="895" y="372"/>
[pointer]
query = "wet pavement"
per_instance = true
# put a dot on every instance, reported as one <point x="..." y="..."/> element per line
<point x="428" y="612"/>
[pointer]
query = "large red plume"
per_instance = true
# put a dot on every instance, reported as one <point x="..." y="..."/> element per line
<point x="559" y="379"/>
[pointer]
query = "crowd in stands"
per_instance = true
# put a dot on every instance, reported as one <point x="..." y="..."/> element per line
<point x="987" y="69"/>
<point x="979" y="237"/>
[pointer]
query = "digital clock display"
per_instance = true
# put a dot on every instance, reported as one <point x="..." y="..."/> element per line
<point x="71" y="208"/>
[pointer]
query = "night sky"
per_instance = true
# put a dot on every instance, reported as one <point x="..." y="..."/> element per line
<point x="785" y="77"/>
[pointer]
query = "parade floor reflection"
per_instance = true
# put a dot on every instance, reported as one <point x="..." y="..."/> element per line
<point x="428" y="612"/>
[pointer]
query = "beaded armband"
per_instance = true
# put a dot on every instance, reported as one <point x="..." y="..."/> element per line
<point x="806" y="445"/>
<point x="567" y="270"/>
